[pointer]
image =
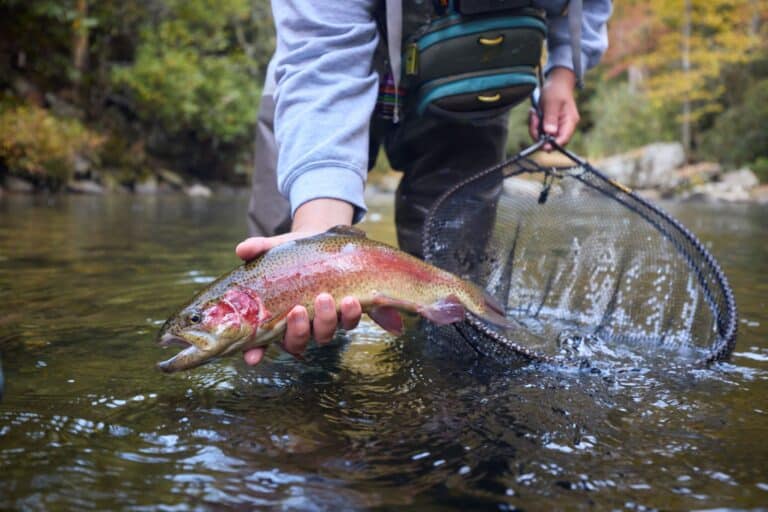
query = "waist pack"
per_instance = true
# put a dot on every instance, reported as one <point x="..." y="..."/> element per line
<point x="477" y="60"/>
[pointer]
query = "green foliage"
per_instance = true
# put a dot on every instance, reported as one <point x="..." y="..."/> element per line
<point x="183" y="90"/>
<point x="693" y="41"/>
<point x="195" y="71"/>
<point x="33" y="142"/>
<point x="517" y="135"/>
<point x="739" y="135"/>
<point x="615" y="119"/>
<point x="760" y="168"/>
<point x="624" y="119"/>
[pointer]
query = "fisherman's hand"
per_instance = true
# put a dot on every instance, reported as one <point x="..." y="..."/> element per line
<point x="558" y="106"/>
<point x="310" y="218"/>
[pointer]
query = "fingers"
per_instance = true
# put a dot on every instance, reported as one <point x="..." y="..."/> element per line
<point x="324" y="323"/>
<point x="351" y="311"/>
<point x="252" y="247"/>
<point x="551" y="107"/>
<point x="533" y="124"/>
<point x="568" y="119"/>
<point x="254" y="356"/>
<point x="323" y="326"/>
<point x="297" y="331"/>
<point x="558" y="104"/>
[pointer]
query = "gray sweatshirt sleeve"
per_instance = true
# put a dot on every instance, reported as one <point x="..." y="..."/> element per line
<point x="326" y="89"/>
<point x="594" y="36"/>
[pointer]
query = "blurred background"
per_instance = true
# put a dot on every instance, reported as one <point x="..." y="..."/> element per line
<point x="112" y="111"/>
<point x="163" y="94"/>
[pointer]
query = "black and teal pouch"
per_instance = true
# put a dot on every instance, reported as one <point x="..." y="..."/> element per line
<point x="477" y="60"/>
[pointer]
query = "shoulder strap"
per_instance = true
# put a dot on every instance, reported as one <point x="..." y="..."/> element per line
<point x="574" y="26"/>
<point x="394" y="13"/>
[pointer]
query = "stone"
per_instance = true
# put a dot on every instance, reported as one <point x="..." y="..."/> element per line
<point x="148" y="185"/>
<point x="698" y="173"/>
<point x="760" y="194"/>
<point x="515" y="186"/>
<point x="82" y="165"/>
<point x="651" y="166"/>
<point x="651" y="194"/>
<point x="198" y="190"/>
<point x="18" y="185"/>
<point x="718" y="192"/>
<point x="384" y="181"/>
<point x="84" y="187"/>
<point x="171" y="178"/>
<point x="744" y="178"/>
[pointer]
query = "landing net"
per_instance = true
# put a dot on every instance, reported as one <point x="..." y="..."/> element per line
<point x="581" y="264"/>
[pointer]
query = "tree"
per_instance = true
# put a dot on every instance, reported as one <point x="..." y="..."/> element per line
<point x="694" y="41"/>
<point x="197" y="73"/>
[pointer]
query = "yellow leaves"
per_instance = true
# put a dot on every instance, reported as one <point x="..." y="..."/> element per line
<point x="694" y="40"/>
<point x="35" y="142"/>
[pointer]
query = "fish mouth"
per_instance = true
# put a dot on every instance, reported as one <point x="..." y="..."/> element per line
<point x="190" y="357"/>
<point x="171" y="340"/>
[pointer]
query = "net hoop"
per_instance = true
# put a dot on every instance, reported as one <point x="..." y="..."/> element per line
<point x="688" y="246"/>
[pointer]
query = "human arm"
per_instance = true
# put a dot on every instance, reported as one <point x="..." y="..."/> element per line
<point x="326" y="89"/>
<point x="557" y="99"/>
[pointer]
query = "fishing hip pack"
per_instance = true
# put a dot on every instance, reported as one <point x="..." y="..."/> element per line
<point x="476" y="60"/>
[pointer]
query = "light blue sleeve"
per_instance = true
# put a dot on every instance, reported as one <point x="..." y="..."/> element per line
<point x="326" y="89"/>
<point x="594" y="36"/>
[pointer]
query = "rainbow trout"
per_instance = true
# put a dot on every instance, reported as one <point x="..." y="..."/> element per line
<point x="247" y="308"/>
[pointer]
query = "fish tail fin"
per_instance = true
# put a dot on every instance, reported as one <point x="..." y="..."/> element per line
<point x="493" y="312"/>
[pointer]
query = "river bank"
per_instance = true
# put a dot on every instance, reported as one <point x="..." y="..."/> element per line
<point x="656" y="171"/>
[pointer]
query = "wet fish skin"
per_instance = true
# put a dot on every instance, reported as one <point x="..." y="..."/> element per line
<point x="247" y="307"/>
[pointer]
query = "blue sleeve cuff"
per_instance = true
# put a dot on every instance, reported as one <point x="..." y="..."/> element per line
<point x="328" y="180"/>
<point x="562" y="56"/>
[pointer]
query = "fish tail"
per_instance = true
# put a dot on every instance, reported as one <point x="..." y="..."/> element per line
<point x="492" y="311"/>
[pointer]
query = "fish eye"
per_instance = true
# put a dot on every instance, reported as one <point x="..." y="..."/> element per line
<point x="195" y="317"/>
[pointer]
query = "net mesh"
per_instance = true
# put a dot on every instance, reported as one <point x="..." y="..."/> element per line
<point x="581" y="264"/>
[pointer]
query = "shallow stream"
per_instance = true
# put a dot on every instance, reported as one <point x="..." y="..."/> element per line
<point x="373" y="422"/>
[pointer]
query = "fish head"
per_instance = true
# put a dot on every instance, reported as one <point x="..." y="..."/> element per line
<point x="212" y="324"/>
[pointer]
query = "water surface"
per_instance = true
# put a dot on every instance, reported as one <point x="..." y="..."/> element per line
<point x="373" y="422"/>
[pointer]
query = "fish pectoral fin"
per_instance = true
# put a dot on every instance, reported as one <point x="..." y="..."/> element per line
<point x="445" y="311"/>
<point x="448" y="310"/>
<point x="388" y="318"/>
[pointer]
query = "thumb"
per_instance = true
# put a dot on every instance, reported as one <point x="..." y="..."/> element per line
<point x="252" y="247"/>
<point x="551" y="109"/>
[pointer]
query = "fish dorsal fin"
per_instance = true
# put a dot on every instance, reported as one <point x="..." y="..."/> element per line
<point x="347" y="230"/>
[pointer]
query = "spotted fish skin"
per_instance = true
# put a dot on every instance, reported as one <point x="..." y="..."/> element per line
<point x="247" y="307"/>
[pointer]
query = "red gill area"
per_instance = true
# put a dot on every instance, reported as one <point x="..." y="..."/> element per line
<point x="236" y="304"/>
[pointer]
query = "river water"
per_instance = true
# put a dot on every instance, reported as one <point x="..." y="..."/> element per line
<point x="372" y="422"/>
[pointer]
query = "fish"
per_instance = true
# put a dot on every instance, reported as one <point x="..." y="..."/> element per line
<point x="248" y="307"/>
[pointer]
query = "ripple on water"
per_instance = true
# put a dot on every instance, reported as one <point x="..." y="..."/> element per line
<point x="372" y="421"/>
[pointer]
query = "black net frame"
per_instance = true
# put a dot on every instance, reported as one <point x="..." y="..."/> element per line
<point x="442" y="239"/>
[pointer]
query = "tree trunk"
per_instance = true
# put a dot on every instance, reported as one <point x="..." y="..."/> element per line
<point x="80" y="42"/>
<point x="686" y="64"/>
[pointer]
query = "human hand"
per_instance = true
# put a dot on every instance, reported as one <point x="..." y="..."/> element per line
<point x="558" y="106"/>
<point x="311" y="218"/>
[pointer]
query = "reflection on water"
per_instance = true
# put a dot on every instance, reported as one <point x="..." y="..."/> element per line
<point x="374" y="421"/>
